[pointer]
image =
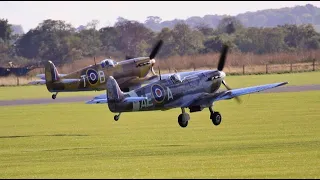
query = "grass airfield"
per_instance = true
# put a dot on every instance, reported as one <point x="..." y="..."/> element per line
<point x="40" y="91"/>
<point x="273" y="135"/>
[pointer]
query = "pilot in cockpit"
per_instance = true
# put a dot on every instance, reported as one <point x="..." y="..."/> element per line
<point x="175" y="78"/>
<point x="108" y="63"/>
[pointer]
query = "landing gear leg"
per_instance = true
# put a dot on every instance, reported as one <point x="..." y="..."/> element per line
<point x="215" y="117"/>
<point x="54" y="95"/>
<point x="183" y="118"/>
<point x="116" y="117"/>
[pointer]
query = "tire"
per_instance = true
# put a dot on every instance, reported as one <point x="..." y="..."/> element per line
<point x="182" y="122"/>
<point x="216" y="118"/>
<point x="116" y="117"/>
<point x="54" y="96"/>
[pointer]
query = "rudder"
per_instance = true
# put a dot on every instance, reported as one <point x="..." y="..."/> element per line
<point x="114" y="93"/>
<point x="51" y="75"/>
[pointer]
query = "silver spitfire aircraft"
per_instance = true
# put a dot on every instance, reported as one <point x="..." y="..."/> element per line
<point x="196" y="91"/>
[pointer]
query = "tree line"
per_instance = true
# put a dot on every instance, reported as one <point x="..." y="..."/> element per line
<point x="62" y="43"/>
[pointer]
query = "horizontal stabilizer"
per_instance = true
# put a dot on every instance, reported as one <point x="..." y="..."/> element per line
<point x="43" y="77"/>
<point x="66" y="81"/>
<point x="70" y="80"/>
<point x="102" y="99"/>
<point x="134" y="99"/>
<point x="98" y="101"/>
<point x="37" y="82"/>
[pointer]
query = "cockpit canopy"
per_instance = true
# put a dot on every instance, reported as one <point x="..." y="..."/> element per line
<point x="108" y="63"/>
<point x="175" y="78"/>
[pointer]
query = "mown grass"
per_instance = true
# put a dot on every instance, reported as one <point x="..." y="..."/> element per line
<point x="40" y="91"/>
<point x="274" y="135"/>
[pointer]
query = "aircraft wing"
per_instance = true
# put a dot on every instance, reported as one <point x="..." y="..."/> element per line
<point x="209" y="98"/>
<point x="41" y="76"/>
<point x="102" y="99"/>
<point x="37" y="82"/>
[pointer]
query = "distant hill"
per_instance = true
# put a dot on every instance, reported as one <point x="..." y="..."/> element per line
<point x="80" y="28"/>
<point x="263" y="18"/>
<point x="17" y="29"/>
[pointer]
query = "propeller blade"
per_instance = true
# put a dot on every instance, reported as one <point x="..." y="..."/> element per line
<point x="223" y="56"/>
<point x="159" y="72"/>
<point x="152" y="70"/>
<point x="156" y="49"/>
<point x="129" y="57"/>
<point x="236" y="98"/>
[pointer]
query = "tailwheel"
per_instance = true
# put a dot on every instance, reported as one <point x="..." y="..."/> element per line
<point x="183" y="119"/>
<point x="216" y="118"/>
<point x="54" y="96"/>
<point x="116" y="117"/>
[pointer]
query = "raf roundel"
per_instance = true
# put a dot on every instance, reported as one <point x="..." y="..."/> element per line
<point x="92" y="76"/>
<point x="158" y="93"/>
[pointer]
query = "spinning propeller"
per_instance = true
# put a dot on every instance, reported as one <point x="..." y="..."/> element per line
<point x="221" y="65"/>
<point x="152" y="55"/>
<point x="159" y="72"/>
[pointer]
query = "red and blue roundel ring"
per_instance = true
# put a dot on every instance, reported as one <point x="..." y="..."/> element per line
<point x="92" y="76"/>
<point x="158" y="93"/>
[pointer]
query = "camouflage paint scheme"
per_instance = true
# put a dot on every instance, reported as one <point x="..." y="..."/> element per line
<point x="196" y="91"/>
<point x="128" y="73"/>
<point x="166" y="93"/>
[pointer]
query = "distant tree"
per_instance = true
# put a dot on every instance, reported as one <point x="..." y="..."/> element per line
<point x="132" y="34"/>
<point x="92" y="24"/>
<point x="205" y="29"/>
<point x="109" y="37"/>
<point x="46" y="41"/>
<point x="187" y="41"/>
<point x="273" y="40"/>
<point x="229" y="25"/>
<point x="90" y="41"/>
<point x="153" y="22"/>
<point x="5" y="30"/>
<point x="169" y="46"/>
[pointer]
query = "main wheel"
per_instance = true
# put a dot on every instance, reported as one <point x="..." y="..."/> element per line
<point x="183" y="120"/>
<point x="54" y="96"/>
<point x="116" y="117"/>
<point x="216" y="118"/>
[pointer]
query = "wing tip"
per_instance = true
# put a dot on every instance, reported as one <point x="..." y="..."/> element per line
<point x="283" y="83"/>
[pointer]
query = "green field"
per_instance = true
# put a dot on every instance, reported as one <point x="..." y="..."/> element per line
<point x="273" y="135"/>
<point x="40" y="91"/>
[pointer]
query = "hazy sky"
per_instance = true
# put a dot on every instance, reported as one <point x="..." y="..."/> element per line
<point x="30" y="13"/>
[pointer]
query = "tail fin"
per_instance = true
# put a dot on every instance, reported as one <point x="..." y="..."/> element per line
<point x="114" y="93"/>
<point x="51" y="75"/>
<point x="51" y="72"/>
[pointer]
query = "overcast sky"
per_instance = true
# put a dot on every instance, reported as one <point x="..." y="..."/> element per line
<point x="30" y="13"/>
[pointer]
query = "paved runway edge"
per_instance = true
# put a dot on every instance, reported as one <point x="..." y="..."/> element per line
<point x="86" y="98"/>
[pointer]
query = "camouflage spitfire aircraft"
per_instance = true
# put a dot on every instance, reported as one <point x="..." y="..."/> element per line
<point x="129" y="73"/>
<point x="196" y="92"/>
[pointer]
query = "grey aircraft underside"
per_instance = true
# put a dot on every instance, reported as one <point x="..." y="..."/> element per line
<point x="195" y="90"/>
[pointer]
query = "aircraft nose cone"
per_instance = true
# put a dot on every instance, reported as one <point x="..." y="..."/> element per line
<point x="222" y="74"/>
